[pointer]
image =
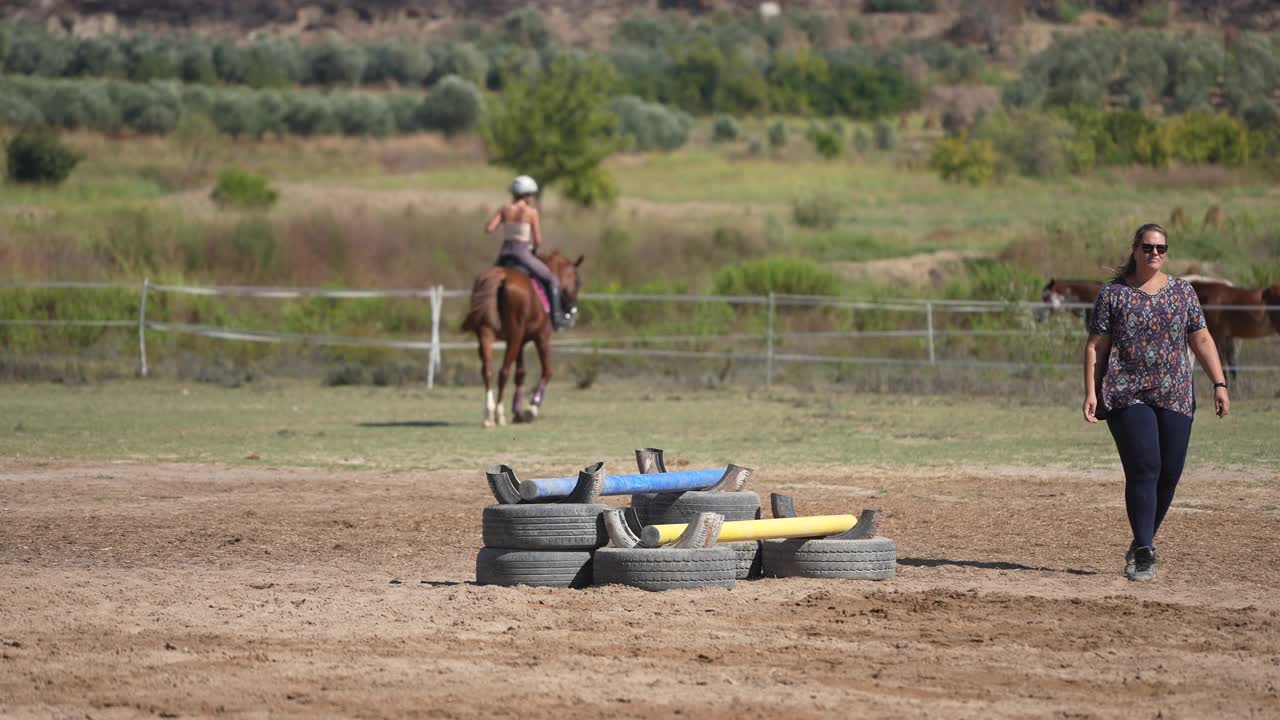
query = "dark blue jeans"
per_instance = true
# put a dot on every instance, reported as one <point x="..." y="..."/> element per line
<point x="1153" y="448"/>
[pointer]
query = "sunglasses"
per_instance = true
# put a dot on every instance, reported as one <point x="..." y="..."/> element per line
<point x="1149" y="248"/>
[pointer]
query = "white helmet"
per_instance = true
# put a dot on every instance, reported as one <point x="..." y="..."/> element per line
<point x="524" y="185"/>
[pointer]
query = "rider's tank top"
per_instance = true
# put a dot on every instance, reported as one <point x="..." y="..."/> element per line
<point x="517" y="232"/>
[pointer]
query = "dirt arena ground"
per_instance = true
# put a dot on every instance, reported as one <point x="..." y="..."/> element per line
<point x="193" y="591"/>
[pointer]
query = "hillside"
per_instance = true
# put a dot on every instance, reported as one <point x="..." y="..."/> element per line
<point x="581" y="22"/>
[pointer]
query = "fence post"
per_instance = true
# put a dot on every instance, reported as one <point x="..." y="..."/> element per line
<point x="928" y="314"/>
<point x="142" y="329"/>
<point x="433" y="359"/>
<point x="768" y="373"/>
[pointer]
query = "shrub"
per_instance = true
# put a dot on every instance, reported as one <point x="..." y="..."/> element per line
<point x="884" y="135"/>
<point x="1155" y="14"/>
<point x="404" y="109"/>
<point x="961" y="160"/>
<point x="236" y="114"/>
<point x="403" y="63"/>
<point x="526" y="27"/>
<point x="17" y="111"/>
<point x="273" y="63"/>
<point x="309" y="114"/>
<point x="335" y="63"/>
<point x="454" y="105"/>
<point x="827" y="144"/>
<point x="241" y="189"/>
<point x="196" y="64"/>
<point x="197" y="141"/>
<point x="36" y="156"/>
<point x="651" y="126"/>
<point x="725" y="128"/>
<point x="463" y="60"/>
<point x="1035" y="144"/>
<point x="362" y="114"/>
<point x="80" y="104"/>
<point x="1203" y="138"/>
<point x="816" y="211"/>
<point x="777" y="135"/>
<point x="100" y="57"/>
<point x="779" y="274"/>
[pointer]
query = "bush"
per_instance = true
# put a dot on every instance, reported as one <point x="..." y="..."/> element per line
<point x="960" y="160"/>
<point x="1035" y="144"/>
<point x="236" y="114"/>
<point x="362" y="114"/>
<point x="309" y="114"/>
<point x="463" y="60"/>
<point x="651" y="126"/>
<point x="335" y="63"/>
<point x="17" y="111"/>
<point x="399" y="62"/>
<point x="273" y="63"/>
<point x="816" y="211"/>
<point x="780" y="274"/>
<point x="777" y="135"/>
<point x="826" y="143"/>
<point x="526" y="27"/>
<point x="80" y="104"/>
<point x="35" y="156"/>
<point x="1203" y="138"/>
<point x="884" y="135"/>
<point x="454" y="105"/>
<point x="725" y="129"/>
<point x="241" y="189"/>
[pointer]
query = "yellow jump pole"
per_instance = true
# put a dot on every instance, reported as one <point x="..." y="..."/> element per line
<point x="814" y="526"/>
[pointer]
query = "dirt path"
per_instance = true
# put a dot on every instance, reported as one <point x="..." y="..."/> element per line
<point x="185" y="590"/>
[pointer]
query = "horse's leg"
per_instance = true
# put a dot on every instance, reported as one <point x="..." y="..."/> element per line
<point x="486" y="371"/>
<point x="517" y="395"/>
<point x="508" y="359"/>
<point x="543" y="343"/>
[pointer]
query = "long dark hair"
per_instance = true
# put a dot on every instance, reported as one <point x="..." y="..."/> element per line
<point x="1130" y="265"/>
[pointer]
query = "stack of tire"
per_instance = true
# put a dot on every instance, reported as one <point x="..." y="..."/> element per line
<point x="550" y="545"/>
<point x="677" y="508"/>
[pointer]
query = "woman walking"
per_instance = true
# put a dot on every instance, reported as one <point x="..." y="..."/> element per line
<point x="1137" y="377"/>
<point x="521" y="238"/>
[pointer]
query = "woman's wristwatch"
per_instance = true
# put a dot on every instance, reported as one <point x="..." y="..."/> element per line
<point x="1222" y="385"/>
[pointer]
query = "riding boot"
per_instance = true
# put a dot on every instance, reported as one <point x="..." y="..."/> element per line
<point x="558" y="319"/>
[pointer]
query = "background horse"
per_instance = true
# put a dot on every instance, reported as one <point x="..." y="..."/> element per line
<point x="505" y="307"/>
<point x="1226" y="325"/>
<point x="1060" y="292"/>
<point x="1271" y="296"/>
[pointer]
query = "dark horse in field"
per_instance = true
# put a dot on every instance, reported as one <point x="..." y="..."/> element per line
<point x="1227" y="324"/>
<point x="505" y="306"/>
<point x="1062" y="292"/>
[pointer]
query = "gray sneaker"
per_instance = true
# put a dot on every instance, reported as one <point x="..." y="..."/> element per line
<point x="1128" y="559"/>
<point x="1144" y="564"/>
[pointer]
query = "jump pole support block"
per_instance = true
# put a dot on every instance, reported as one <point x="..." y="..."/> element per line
<point x="730" y="478"/>
<point x="868" y="525"/>
<point x="738" y="530"/>
<point x="583" y="489"/>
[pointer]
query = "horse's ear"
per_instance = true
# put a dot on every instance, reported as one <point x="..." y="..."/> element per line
<point x="578" y="262"/>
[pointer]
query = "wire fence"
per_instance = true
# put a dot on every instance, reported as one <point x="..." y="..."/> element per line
<point x="769" y="329"/>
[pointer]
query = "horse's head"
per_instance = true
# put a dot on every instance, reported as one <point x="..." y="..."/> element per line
<point x="1051" y="299"/>
<point x="566" y="271"/>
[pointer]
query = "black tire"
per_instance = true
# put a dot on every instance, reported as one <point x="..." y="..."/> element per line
<point x="750" y="560"/>
<point x="566" y="526"/>
<point x="675" y="508"/>
<point x="871" y="559"/>
<point x="665" y="568"/>
<point x="545" y="568"/>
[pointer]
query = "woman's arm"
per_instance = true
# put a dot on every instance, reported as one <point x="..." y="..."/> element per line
<point x="1095" y="347"/>
<point x="1206" y="351"/>
<point x="494" y="222"/>
<point x="535" y="227"/>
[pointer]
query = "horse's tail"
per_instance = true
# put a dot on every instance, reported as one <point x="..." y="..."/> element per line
<point x="484" y="301"/>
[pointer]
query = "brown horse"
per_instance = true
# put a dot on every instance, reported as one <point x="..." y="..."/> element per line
<point x="1271" y="296"/>
<point x="504" y="306"/>
<point x="1228" y="324"/>
<point x="1060" y="292"/>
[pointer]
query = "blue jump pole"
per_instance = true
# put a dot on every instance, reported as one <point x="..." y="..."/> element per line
<point x="548" y="488"/>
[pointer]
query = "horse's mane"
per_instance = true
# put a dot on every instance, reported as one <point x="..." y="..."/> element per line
<point x="1207" y="279"/>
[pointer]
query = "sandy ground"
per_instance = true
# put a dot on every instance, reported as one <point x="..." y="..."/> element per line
<point x="190" y="591"/>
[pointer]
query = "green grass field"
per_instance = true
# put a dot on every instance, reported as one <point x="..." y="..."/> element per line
<point x="401" y="429"/>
